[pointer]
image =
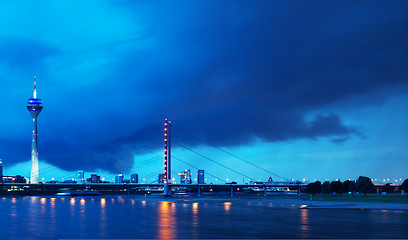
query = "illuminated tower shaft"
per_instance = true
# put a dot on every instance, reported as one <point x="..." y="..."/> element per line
<point x="167" y="158"/>
<point x="34" y="107"/>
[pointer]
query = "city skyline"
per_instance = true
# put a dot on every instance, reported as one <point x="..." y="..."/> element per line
<point x="319" y="95"/>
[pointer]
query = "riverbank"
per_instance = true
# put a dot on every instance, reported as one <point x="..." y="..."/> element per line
<point x="304" y="201"/>
<point x="382" y="202"/>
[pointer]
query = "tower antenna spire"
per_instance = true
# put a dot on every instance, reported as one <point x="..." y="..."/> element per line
<point x="35" y="87"/>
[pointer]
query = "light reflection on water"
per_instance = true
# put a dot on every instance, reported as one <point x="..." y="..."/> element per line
<point x="227" y="206"/>
<point x="304" y="217"/>
<point x="195" y="220"/>
<point x="166" y="221"/>
<point x="102" y="217"/>
<point x="130" y="217"/>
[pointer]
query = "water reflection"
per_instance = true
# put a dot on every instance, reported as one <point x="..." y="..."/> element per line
<point x="13" y="209"/>
<point x="102" y="218"/>
<point x="43" y="201"/>
<point x="54" y="218"/>
<point x="166" y="221"/>
<point x="195" y="220"/>
<point x="82" y="220"/>
<point x="227" y="206"/>
<point x="304" y="218"/>
<point x="72" y="204"/>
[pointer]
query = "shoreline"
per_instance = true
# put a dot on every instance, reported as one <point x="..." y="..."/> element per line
<point x="276" y="201"/>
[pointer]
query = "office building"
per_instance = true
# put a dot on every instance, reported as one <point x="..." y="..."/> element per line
<point x="161" y="178"/>
<point x="134" y="178"/>
<point x="200" y="177"/>
<point x="119" y="178"/>
<point x="185" y="177"/>
<point x="14" y="179"/>
<point x="80" y="177"/>
<point x="94" y="178"/>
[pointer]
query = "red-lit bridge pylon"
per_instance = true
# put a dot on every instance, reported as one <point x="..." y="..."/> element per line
<point x="167" y="157"/>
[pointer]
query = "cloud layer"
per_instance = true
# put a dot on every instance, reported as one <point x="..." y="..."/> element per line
<point x="232" y="74"/>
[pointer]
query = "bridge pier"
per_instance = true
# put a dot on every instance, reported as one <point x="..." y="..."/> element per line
<point x="265" y="191"/>
<point x="232" y="191"/>
<point x="167" y="190"/>
<point x="199" y="191"/>
<point x="298" y="190"/>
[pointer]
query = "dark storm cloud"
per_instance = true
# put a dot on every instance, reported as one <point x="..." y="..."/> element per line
<point x="232" y="74"/>
<point x="24" y="54"/>
<point x="235" y="73"/>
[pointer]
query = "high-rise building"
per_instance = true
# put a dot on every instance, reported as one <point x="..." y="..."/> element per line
<point x="34" y="107"/>
<point x="134" y="178"/>
<point x="185" y="177"/>
<point x="80" y="177"/>
<point x="14" y="179"/>
<point x="161" y="178"/>
<point x="200" y="177"/>
<point x="119" y="178"/>
<point x="94" y="178"/>
<point x="182" y="178"/>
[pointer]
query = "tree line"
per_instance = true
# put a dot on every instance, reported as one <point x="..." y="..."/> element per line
<point x="361" y="185"/>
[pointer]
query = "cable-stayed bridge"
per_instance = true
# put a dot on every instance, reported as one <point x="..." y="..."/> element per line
<point x="168" y="186"/>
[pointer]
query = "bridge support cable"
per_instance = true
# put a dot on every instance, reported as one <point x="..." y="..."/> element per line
<point x="139" y="165"/>
<point x="231" y="154"/>
<point x="220" y="164"/>
<point x="102" y="149"/>
<point x="104" y="162"/>
<point x="152" y="174"/>
<point x="178" y="159"/>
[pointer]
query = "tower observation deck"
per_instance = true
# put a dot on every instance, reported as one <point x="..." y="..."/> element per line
<point x="34" y="107"/>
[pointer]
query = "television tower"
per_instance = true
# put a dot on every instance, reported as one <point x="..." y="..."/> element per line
<point x="34" y="107"/>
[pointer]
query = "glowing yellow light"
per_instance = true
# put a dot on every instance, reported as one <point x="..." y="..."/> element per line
<point x="165" y="139"/>
<point x="165" y="124"/>
<point x="165" y="129"/>
<point x="227" y="206"/>
<point x="303" y="206"/>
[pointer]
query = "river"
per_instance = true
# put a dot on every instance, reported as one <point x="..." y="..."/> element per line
<point x="133" y="217"/>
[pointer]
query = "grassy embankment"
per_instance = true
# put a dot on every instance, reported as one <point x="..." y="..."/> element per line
<point x="370" y="198"/>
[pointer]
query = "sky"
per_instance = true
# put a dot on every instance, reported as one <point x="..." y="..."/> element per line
<point x="287" y="89"/>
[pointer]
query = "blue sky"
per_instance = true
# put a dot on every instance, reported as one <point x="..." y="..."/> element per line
<point x="314" y="90"/>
